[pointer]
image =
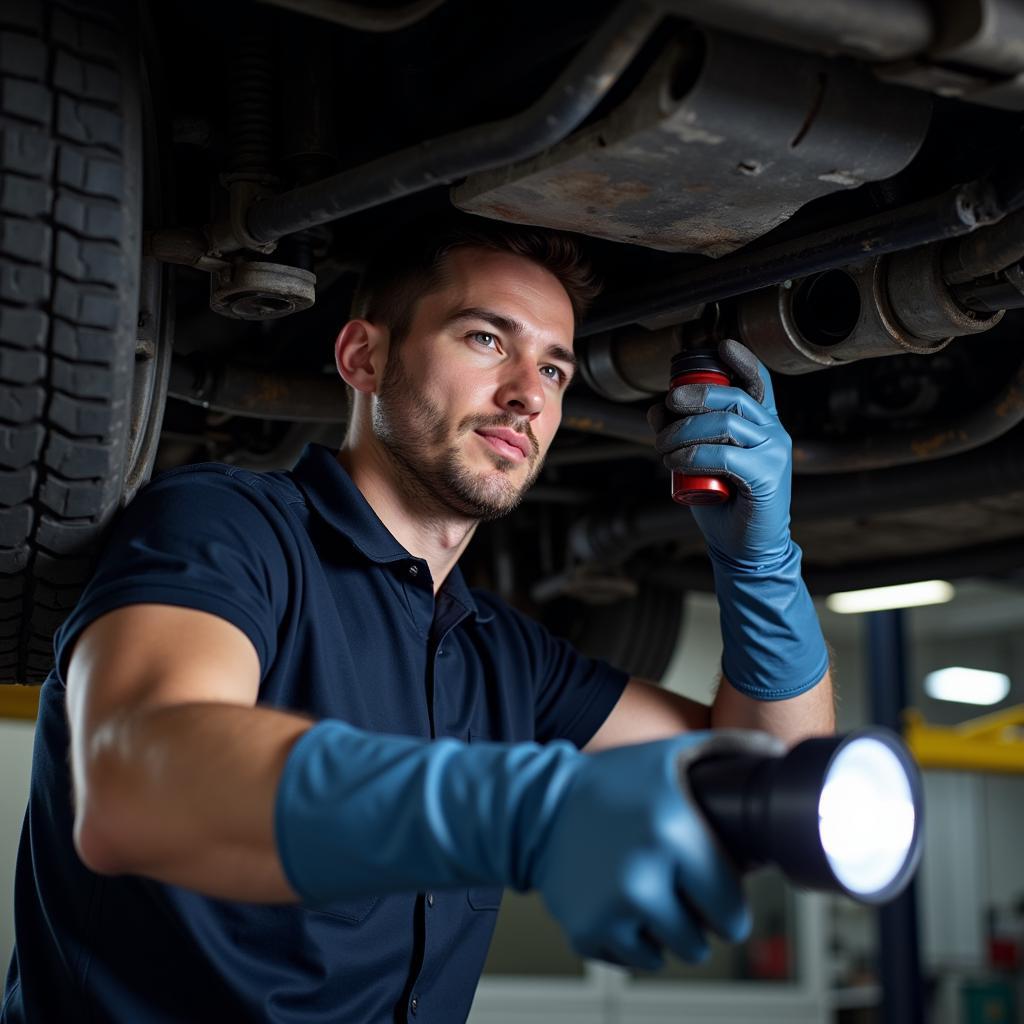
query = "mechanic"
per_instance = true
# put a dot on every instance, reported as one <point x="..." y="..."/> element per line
<point x="286" y="760"/>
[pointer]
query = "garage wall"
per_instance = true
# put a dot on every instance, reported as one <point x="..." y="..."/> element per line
<point x="15" y="765"/>
<point x="697" y="661"/>
<point x="973" y="828"/>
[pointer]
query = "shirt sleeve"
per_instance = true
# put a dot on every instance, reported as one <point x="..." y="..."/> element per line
<point x="572" y="694"/>
<point x="197" y="539"/>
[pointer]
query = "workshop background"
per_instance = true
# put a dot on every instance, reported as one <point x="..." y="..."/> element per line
<point x="812" y="958"/>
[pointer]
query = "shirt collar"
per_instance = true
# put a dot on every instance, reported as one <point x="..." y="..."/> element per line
<point x="332" y="492"/>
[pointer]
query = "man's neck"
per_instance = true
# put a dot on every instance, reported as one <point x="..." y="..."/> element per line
<point x="438" y="538"/>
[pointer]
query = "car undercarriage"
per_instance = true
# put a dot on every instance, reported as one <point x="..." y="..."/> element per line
<point x="191" y="190"/>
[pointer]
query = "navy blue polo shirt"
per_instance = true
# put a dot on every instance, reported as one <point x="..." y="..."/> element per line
<point x="346" y="625"/>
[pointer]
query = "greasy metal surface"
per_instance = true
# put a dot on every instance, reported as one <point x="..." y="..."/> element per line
<point x="939" y="506"/>
<point x="1003" y="291"/>
<point x="972" y="49"/>
<point x="722" y="141"/>
<point x="573" y="95"/>
<point x="768" y="325"/>
<point x="244" y="391"/>
<point x="921" y="301"/>
<point x="594" y="416"/>
<point x="953" y="213"/>
<point x="154" y="347"/>
<point x="903" y="306"/>
<point x="1007" y="94"/>
<point x="598" y="368"/>
<point x="960" y="434"/>
<point x="644" y="358"/>
<point x="626" y="365"/>
<point x="875" y="557"/>
<point x="250" y="87"/>
<point x="985" y="251"/>
<point x="986" y="34"/>
<point x="250" y="290"/>
<point x="972" y="86"/>
<point x="954" y="539"/>
<point x="870" y="29"/>
<point x="319" y="398"/>
<point x="977" y="55"/>
<point x="185" y="246"/>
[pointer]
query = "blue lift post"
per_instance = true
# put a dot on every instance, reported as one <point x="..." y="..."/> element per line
<point x="899" y="959"/>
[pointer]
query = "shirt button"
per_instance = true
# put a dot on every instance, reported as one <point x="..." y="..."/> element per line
<point x="414" y="570"/>
<point x="430" y="899"/>
<point x="414" y="1004"/>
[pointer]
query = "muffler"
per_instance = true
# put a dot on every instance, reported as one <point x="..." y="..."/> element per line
<point x="887" y="306"/>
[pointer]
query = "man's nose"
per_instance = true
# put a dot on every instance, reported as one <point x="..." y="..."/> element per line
<point x="522" y="389"/>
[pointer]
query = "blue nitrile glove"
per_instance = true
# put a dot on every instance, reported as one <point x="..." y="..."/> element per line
<point x="773" y="647"/>
<point x="614" y="843"/>
<point x="631" y="864"/>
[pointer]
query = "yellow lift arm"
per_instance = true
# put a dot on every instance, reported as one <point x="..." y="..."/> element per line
<point x="19" y="701"/>
<point x="991" y="743"/>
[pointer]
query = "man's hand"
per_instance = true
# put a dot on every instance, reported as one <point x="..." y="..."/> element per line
<point x="631" y="866"/>
<point x="614" y="841"/>
<point x="773" y="647"/>
<point x="734" y="433"/>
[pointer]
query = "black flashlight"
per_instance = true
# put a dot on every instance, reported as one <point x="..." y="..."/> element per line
<point x="834" y="813"/>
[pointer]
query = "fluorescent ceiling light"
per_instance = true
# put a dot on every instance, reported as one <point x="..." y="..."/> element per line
<point x="967" y="685"/>
<point x="906" y="595"/>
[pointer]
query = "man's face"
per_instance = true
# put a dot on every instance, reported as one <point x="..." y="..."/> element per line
<point x="480" y="376"/>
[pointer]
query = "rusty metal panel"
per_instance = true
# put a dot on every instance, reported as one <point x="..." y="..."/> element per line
<point x="875" y="30"/>
<point x="722" y="141"/>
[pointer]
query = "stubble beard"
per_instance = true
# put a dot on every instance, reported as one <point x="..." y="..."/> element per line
<point x="431" y="472"/>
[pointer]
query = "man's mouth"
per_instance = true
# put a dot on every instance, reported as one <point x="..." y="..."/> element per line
<point x="506" y="442"/>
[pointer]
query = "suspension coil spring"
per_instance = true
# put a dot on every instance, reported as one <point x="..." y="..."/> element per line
<point x="251" y="104"/>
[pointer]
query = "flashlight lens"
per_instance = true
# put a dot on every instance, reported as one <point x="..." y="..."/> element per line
<point x="866" y="816"/>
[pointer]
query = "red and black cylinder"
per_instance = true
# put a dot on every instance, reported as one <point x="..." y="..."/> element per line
<point x="698" y="367"/>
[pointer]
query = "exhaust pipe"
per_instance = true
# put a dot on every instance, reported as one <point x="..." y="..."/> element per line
<point x="890" y="305"/>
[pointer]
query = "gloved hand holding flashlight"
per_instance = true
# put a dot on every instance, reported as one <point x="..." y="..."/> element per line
<point x="631" y="865"/>
<point x="615" y="842"/>
<point x="635" y="850"/>
<point x="773" y="643"/>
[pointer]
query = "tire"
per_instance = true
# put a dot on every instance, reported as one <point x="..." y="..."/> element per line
<point x="637" y="634"/>
<point x="77" y="437"/>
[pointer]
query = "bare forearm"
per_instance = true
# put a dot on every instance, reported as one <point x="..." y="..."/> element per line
<point x="185" y="794"/>
<point x="811" y="713"/>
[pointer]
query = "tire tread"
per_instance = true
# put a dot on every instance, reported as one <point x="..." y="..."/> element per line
<point x="63" y="381"/>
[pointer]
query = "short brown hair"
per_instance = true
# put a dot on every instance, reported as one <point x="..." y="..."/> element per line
<point x="400" y="272"/>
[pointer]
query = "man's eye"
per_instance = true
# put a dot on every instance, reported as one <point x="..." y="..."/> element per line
<point x="558" y="375"/>
<point x="485" y="334"/>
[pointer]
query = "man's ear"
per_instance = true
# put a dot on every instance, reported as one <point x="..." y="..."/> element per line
<point x="360" y="354"/>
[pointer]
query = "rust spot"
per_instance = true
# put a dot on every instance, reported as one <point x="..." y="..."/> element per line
<point x="812" y="111"/>
<point x="928" y="446"/>
<point x="1011" y="405"/>
<point x="599" y="190"/>
<point x="504" y="212"/>
<point x="583" y="423"/>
